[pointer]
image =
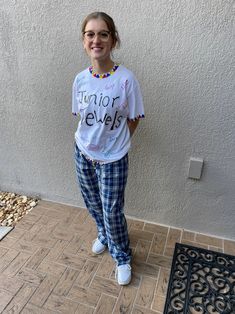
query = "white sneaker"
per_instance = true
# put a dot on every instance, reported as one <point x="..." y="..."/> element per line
<point x="123" y="274"/>
<point x="98" y="247"/>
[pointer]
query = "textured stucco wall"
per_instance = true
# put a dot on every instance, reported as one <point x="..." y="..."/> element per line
<point x="183" y="55"/>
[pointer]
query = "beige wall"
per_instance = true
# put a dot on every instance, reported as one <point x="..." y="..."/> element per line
<point x="183" y="55"/>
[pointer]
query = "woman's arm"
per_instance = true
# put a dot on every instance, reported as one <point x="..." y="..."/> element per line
<point x="132" y="125"/>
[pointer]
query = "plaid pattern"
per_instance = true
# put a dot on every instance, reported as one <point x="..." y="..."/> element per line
<point x="103" y="188"/>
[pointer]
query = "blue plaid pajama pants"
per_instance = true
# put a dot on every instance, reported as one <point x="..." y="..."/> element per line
<point x="103" y="188"/>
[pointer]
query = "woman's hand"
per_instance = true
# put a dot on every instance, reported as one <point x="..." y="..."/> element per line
<point x="132" y="125"/>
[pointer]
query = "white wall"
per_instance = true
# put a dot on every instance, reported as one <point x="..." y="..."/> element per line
<point x="183" y="55"/>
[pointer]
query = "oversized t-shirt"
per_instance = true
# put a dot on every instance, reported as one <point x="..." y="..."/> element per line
<point x="105" y="105"/>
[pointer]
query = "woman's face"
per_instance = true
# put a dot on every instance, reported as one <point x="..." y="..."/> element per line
<point x="97" y="40"/>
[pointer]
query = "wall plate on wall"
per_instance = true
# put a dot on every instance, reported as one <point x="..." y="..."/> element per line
<point x="195" y="168"/>
<point x="4" y="231"/>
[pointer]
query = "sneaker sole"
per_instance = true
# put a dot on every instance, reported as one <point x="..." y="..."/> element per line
<point x="97" y="253"/>
<point x="124" y="283"/>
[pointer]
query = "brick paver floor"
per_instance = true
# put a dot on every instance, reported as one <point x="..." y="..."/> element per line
<point x="46" y="265"/>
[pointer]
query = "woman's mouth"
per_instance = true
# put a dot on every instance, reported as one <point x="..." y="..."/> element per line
<point x="96" y="49"/>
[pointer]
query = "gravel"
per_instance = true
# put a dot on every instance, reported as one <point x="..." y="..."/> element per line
<point x="13" y="207"/>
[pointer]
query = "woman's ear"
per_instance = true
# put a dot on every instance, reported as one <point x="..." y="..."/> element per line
<point x="114" y="44"/>
<point x="84" y="46"/>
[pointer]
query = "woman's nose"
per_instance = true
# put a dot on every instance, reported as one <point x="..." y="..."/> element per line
<point x="96" y="38"/>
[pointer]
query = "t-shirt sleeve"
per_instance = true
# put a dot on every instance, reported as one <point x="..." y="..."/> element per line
<point x="74" y="98"/>
<point x="135" y="102"/>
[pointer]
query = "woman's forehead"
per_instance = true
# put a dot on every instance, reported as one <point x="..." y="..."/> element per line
<point x="96" y="24"/>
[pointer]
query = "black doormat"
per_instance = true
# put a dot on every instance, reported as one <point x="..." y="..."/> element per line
<point x="201" y="281"/>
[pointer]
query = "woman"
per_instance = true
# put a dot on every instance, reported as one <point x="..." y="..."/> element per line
<point x="108" y="100"/>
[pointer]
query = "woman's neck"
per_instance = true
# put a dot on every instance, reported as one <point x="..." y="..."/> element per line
<point x="102" y="67"/>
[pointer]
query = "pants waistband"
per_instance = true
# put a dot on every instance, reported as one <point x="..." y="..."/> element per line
<point x="93" y="161"/>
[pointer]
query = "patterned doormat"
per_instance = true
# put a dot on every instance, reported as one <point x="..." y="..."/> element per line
<point x="201" y="281"/>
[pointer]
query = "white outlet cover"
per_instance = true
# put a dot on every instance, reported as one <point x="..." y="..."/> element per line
<point x="195" y="168"/>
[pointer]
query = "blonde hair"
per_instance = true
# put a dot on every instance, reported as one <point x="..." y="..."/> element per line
<point x="109" y="22"/>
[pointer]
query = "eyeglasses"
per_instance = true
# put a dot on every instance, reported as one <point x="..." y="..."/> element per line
<point x="103" y="35"/>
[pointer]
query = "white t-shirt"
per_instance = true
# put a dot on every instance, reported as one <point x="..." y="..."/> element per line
<point x="105" y="105"/>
